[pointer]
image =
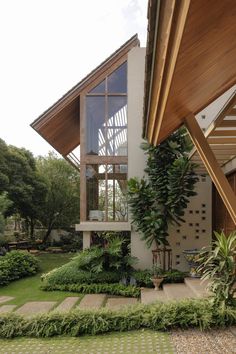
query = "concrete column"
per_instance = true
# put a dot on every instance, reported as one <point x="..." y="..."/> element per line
<point x="86" y="239"/>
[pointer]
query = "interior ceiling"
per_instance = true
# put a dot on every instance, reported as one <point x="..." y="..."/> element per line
<point x="204" y="67"/>
<point x="221" y="135"/>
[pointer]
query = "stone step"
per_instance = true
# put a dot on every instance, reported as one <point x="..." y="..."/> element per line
<point x="178" y="291"/>
<point x="92" y="301"/>
<point x="5" y="299"/>
<point x="7" y="308"/>
<point x="67" y="304"/>
<point x="117" y="303"/>
<point x="197" y="286"/>
<point x="35" y="307"/>
<point x="148" y="296"/>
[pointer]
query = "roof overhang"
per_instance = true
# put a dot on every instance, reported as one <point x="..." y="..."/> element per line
<point x="191" y="56"/>
<point x="60" y="124"/>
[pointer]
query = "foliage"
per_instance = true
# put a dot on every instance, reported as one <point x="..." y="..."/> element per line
<point x="70" y="274"/>
<point x="15" y="265"/>
<point x="159" y="316"/>
<point x="20" y="179"/>
<point x="5" y="203"/>
<point x="93" y="288"/>
<point x="61" y="207"/>
<point x="96" y="264"/>
<point x="143" y="277"/>
<point x="218" y="266"/>
<point x="160" y="199"/>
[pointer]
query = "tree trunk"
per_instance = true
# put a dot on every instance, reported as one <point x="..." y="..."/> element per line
<point x="32" y="229"/>
<point x="48" y="232"/>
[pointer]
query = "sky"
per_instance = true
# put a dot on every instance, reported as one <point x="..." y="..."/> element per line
<point x="47" y="46"/>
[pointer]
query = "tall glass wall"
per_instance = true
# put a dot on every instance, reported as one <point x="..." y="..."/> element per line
<point x="106" y="116"/>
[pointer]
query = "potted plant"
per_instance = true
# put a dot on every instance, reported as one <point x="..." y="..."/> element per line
<point x="158" y="276"/>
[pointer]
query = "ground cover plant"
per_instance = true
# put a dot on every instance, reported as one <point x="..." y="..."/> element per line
<point x="143" y="277"/>
<point x="28" y="288"/>
<point x="15" y="265"/>
<point x="159" y="316"/>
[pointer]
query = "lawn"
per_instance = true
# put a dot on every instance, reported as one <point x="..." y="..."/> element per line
<point x="28" y="289"/>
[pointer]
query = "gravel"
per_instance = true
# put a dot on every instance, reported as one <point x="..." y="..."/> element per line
<point x="193" y="341"/>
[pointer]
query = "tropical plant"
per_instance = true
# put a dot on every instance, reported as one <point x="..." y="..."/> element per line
<point x="160" y="199"/>
<point x="218" y="266"/>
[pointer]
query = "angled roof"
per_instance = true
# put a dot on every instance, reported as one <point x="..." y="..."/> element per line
<point x="190" y="60"/>
<point x="59" y="125"/>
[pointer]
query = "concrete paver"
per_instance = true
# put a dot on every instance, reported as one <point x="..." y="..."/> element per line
<point x="67" y="304"/>
<point x="92" y="301"/>
<point x="5" y="298"/>
<point x="120" y="302"/>
<point x="7" y="308"/>
<point x="35" y="307"/>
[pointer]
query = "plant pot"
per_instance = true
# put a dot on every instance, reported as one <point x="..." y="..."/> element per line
<point x="157" y="282"/>
<point x="192" y="257"/>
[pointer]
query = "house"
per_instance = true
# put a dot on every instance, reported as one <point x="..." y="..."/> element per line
<point x="186" y="76"/>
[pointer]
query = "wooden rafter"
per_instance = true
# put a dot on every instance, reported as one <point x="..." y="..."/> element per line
<point x="212" y="165"/>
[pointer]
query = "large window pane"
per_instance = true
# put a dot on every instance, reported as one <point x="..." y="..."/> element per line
<point x="100" y="88"/>
<point x="96" y="192"/>
<point x="117" y="81"/>
<point x="117" y="126"/>
<point x="95" y="125"/>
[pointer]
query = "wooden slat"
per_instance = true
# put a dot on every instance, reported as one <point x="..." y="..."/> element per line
<point x="228" y="124"/>
<point x="211" y="165"/>
<point x="232" y="112"/>
<point x="223" y="133"/>
<point x="222" y="140"/>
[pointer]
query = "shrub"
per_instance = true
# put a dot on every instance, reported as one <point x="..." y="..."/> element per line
<point x="218" y="266"/>
<point x="159" y="316"/>
<point x="112" y="289"/>
<point x="15" y="265"/>
<point x="143" y="277"/>
<point x="70" y="274"/>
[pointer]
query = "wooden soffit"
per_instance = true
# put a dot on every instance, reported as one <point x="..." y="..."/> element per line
<point x="191" y="56"/>
<point x="60" y="124"/>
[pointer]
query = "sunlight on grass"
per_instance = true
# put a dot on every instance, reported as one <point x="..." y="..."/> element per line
<point x="28" y="289"/>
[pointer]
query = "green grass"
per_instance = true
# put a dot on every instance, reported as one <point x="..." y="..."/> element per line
<point x="28" y="289"/>
<point x="142" y="341"/>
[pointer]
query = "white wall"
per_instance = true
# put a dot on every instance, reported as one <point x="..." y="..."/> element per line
<point x="136" y="157"/>
<point x="196" y="232"/>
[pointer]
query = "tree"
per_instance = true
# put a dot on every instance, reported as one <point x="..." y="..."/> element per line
<point x="62" y="204"/>
<point x="5" y="203"/>
<point x="20" y="179"/>
<point x="161" y="198"/>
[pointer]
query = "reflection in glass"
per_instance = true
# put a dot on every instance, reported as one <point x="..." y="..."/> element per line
<point x="106" y="187"/>
<point x="100" y="88"/>
<point x="117" y="81"/>
<point x="95" y="124"/>
<point x="117" y="126"/>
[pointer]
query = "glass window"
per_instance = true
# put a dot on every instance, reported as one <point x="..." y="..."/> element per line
<point x="106" y="192"/>
<point x="100" y="88"/>
<point x="95" y="125"/>
<point x="117" y="81"/>
<point x="117" y="126"/>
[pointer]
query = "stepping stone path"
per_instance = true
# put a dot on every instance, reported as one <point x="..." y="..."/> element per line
<point x="92" y="301"/>
<point x="35" y="307"/>
<point x="5" y="299"/>
<point x="149" y="296"/>
<point x="119" y="302"/>
<point x="67" y="304"/>
<point x="7" y="308"/>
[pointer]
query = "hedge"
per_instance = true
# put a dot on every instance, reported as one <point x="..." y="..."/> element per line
<point x="159" y="316"/>
<point x="112" y="289"/>
<point x="15" y="265"/>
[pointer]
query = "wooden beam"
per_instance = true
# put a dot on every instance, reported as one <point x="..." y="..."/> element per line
<point x="212" y="165"/>
<point x="232" y="112"/>
<point x="177" y="29"/>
